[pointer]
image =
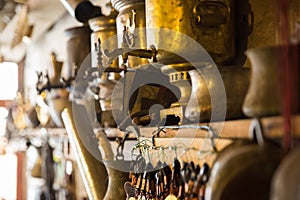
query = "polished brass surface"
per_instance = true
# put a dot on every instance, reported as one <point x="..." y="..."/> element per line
<point x="263" y="96"/>
<point x="103" y="28"/>
<point x="92" y="170"/>
<point x="78" y="46"/>
<point x="210" y="23"/>
<point x="132" y="16"/>
<point x="200" y="107"/>
<point x="286" y="180"/>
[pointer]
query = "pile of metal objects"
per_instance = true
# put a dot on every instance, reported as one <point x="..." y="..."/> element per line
<point x="153" y="63"/>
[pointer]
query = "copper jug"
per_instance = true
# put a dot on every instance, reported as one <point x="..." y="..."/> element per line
<point x="263" y="96"/>
<point x="244" y="171"/>
<point x="209" y="101"/>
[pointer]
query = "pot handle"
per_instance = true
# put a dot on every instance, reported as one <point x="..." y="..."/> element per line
<point x="256" y="132"/>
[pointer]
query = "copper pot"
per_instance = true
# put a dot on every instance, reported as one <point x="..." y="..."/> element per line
<point x="206" y="95"/>
<point x="244" y="172"/>
<point x="265" y="91"/>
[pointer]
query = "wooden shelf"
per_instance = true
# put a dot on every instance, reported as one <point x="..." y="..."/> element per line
<point x="41" y="132"/>
<point x="272" y="127"/>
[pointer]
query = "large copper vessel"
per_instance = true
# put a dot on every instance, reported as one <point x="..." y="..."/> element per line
<point x="104" y="34"/>
<point x="210" y="23"/>
<point x="244" y="171"/>
<point x="206" y="96"/>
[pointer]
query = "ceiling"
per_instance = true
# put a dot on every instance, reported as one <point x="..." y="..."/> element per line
<point x="39" y="14"/>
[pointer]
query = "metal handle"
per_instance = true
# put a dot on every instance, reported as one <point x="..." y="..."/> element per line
<point x="210" y="13"/>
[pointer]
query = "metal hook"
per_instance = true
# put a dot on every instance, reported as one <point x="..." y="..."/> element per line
<point x="120" y="148"/>
<point x="213" y="135"/>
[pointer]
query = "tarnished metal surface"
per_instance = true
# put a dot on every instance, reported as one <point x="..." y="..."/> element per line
<point x="178" y="76"/>
<point x="244" y="170"/>
<point x="78" y="46"/>
<point x="263" y="96"/>
<point x="286" y="180"/>
<point x="236" y="81"/>
<point x="210" y="23"/>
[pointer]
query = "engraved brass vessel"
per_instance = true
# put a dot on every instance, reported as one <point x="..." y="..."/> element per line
<point x="210" y="23"/>
<point x="132" y="16"/>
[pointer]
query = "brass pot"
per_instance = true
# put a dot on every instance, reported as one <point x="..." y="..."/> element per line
<point x="263" y="96"/>
<point x="104" y="27"/>
<point x="207" y="98"/>
<point x="78" y="46"/>
<point x="132" y="14"/>
<point x="209" y="23"/>
<point x="244" y="172"/>
<point x="286" y="180"/>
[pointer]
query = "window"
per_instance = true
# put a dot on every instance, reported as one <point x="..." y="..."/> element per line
<point x="8" y="80"/>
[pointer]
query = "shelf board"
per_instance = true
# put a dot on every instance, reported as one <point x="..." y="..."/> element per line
<point x="272" y="127"/>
